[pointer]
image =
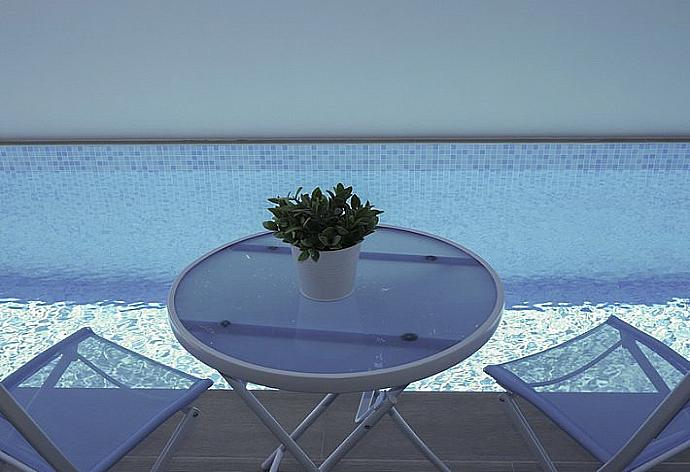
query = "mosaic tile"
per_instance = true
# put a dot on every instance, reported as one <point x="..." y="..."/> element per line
<point x="586" y="157"/>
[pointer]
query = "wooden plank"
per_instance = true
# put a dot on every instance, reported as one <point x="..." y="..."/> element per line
<point x="468" y="430"/>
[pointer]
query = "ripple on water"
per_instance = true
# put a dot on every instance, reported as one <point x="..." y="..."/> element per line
<point x="27" y="328"/>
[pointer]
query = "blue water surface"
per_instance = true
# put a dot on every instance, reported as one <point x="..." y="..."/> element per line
<point x="571" y="245"/>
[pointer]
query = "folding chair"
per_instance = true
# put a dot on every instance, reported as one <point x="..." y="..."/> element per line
<point x="85" y="402"/>
<point x="620" y="393"/>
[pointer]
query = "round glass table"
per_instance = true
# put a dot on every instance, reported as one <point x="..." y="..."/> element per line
<point x="421" y="305"/>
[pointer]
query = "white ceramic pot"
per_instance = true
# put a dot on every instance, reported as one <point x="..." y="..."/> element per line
<point x="332" y="277"/>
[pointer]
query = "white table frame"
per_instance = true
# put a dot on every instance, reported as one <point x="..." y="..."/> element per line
<point x="378" y="400"/>
<point x="372" y="408"/>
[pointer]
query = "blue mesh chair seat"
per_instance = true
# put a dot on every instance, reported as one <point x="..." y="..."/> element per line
<point x="601" y="388"/>
<point x="94" y="400"/>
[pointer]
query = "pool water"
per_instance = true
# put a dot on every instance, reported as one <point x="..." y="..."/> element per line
<point x="574" y="237"/>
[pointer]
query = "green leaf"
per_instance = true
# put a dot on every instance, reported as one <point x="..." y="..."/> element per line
<point x="303" y="255"/>
<point x="270" y="225"/>
<point x="316" y="221"/>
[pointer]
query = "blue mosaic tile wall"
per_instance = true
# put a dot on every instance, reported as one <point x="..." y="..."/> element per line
<point x="349" y="157"/>
<point x="94" y="235"/>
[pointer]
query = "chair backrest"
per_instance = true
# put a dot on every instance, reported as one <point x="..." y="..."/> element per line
<point x="651" y="428"/>
<point x="32" y="433"/>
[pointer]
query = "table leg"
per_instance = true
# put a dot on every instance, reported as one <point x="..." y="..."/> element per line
<point x="365" y="403"/>
<point x="299" y="430"/>
<point x="416" y="440"/>
<point x="277" y="459"/>
<point x="270" y="422"/>
<point x="382" y="405"/>
<point x="376" y="403"/>
<point x="371" y="409"/>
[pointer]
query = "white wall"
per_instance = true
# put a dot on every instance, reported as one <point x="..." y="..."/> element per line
<point x="352" y="68"/>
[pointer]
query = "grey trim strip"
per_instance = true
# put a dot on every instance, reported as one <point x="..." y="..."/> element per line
<point x="358" y="140"/>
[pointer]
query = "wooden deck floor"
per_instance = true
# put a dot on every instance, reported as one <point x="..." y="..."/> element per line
<point x="470" y="431"/>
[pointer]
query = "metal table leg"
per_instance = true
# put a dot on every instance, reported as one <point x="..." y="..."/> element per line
<point x="277" y="455"/>
<point x="373" y="406"/>
<point x="277" y="459"/>
<point x="412" y="436"/>
<point x="386" y="401"/>
<point x="270" y="422"/>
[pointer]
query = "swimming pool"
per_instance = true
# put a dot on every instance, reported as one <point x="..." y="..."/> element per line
<point x="94" y="234"/>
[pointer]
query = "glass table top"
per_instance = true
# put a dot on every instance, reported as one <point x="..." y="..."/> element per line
<point x="415" y="296"/>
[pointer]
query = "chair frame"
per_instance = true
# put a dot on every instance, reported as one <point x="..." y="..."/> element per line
<point x="18" y="417"/>
<point x="34" y="435"/>
<point x="655" y="423"/>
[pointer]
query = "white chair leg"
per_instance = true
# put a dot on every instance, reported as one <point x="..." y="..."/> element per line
<point x="527" y="432"/>
<point x="168" y="451"/>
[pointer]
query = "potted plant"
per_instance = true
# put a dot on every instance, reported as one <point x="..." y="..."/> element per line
<point x="326" y="232"/>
